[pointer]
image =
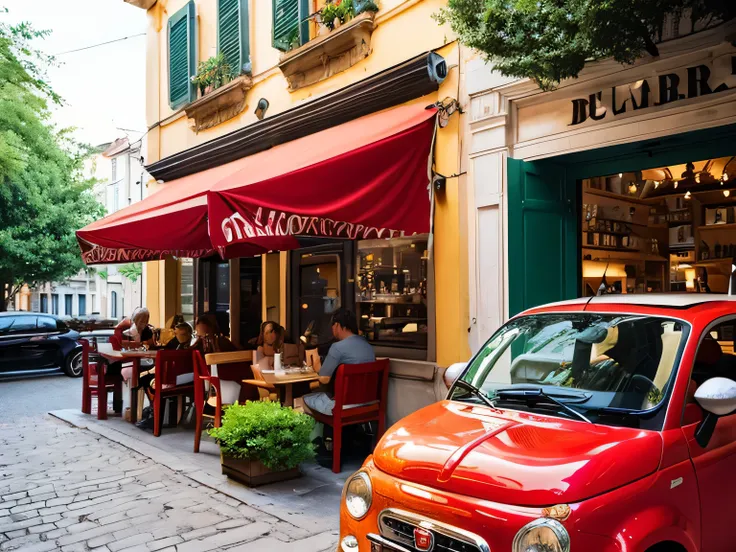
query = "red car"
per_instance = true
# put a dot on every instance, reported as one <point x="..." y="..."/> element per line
<point x="591" y="425"/>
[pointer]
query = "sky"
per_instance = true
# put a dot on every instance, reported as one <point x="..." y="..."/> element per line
<point x="103" y="87"/>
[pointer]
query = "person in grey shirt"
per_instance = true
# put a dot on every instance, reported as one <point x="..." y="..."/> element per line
<point x="350" y="348"/>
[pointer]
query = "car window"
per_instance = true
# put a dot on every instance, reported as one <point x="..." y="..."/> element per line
<point x="715" y="356"/>
<point x="5" y="323"/>
<point x="46" y="324"/>
<point x="21" y="325"/>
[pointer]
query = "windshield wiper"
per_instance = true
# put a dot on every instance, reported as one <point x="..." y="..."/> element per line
<point x="475" y="391"/>
<point x="535" y="395"/>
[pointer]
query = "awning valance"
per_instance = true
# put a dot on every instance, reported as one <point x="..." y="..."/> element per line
<point x="364" y="179"/>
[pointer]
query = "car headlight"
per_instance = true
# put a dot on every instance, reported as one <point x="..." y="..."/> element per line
<point x="542" y="535"/>
<point x="358" y="495"/>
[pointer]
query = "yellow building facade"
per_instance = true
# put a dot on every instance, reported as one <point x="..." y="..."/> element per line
<point x="400" y="30"/>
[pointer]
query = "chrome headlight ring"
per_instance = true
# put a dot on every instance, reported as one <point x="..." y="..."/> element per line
<point x="358" y="495"/>
<point x="542" y="535"/>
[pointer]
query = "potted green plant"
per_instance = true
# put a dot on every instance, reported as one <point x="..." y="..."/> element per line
<point x="212" y="74"/>
<point x="263" y="442"/>
<point x="338" y="12"/>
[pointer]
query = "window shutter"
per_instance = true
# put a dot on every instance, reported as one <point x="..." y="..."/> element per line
<point x="289" y="19"/>
<point x="233" y="34"/>
<point x="182" y="55"/>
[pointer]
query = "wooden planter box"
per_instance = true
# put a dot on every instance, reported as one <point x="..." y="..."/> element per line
<point x="253" y="473"/>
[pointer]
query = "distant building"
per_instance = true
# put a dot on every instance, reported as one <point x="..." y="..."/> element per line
<point x="103" y="291"/>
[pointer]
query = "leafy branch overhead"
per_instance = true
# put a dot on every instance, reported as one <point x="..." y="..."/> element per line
<point x="131" y="271"/>
<point x="551" y="40"/>
<point x="40" y="172"/>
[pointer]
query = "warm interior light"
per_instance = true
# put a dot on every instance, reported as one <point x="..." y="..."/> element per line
<point x="632" y="188"/>
<point x="620" y="175"/>
<point x="697" y="178"/>
<point x="726" y="193"/>
<point x="595" y="269"/>
<point x="690" y="278"/>
<point x="656" y="184"/>
<point x="676" y="184"/>
<point x="688" y="195"/>
<point x="724" y="178"/>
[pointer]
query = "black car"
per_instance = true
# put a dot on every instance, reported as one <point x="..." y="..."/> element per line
<point x="31" y="341"/>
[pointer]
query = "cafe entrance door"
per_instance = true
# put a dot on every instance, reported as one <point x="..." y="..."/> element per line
<point x="320" y="284"/>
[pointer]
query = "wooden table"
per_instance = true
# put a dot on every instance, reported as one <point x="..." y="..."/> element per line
<point x="288" y="380"/>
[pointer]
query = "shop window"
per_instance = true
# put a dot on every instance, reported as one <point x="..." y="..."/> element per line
<point x="391" y="292"/>
<point x="186" y="285"/>
<point x="660" y="229"/>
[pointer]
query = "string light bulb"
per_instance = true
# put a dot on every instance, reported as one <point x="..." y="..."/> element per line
<point x="724" y="178"/>
<point x="632" y="188"/>
<point x="726" y="193"/>
<point x="688" y="195"/>
<point x="676" y="184"/>
<point x="656" y="184"/>
<point x="620" y="175"/>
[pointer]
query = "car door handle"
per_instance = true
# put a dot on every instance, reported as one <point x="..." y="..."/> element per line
<point x="37" y="338"/>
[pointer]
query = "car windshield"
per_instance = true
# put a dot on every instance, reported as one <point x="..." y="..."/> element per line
<point x="596" y="367"/>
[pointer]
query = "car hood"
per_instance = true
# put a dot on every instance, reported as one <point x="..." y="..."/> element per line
<point x="513" y="457"/>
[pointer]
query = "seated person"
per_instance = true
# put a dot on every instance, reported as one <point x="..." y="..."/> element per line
<point x="349" y="348"/>
<point x="271" y="340"/>
<point x="137" y="330"/>
<point x="182" y="337"/>
<point x="209" y="338"/>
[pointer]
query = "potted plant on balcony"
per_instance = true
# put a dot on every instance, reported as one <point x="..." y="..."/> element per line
<point x="338" y="12"/>
<point x="262" y="442"/>
<point x="212" y="74"/>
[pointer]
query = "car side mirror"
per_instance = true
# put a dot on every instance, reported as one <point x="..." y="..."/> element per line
<point x="717" y="397"/>
<point x="453" y="372"/>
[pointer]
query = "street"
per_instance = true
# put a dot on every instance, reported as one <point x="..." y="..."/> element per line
<point x="68" y="489"/>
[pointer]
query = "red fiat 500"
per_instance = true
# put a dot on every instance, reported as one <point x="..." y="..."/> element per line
<point x="592" y="425"/>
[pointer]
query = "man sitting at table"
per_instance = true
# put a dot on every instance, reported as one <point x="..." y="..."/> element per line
<point x="349" y="348"/>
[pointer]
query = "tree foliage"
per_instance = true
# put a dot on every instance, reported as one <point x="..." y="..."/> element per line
<point x="43" y="194"/>
<point x="550" y="40"/>
<point x="132" y="271"/>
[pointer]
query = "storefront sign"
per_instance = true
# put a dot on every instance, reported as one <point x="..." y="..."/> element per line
<point x="668" y="88"/>
<point x="249" y="227"/>
<point x="104" y="255"/>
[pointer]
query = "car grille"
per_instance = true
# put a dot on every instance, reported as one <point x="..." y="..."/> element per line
<point x="398" y="526"/>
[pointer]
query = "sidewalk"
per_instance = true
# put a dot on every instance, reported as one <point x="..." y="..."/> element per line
<point x="311" y="502"/>
<point x="110" y="486"/>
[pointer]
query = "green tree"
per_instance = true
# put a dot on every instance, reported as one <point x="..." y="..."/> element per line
<point x="132" y="271"/>
<point x="550" y="40"/>
<point x="44" y="196"/>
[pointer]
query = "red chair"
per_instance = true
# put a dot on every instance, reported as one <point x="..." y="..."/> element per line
<point x="357" y="384"/>
<point x="169" y="365"/>
<point x="96" y="384"/>
<point x="202" y="375"/>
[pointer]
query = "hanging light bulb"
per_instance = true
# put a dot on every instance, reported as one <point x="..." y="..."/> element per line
<point x="726" y="193"/>
<point x="687" y="195"/>
<point x="676" y="184"/>
<point x="656" y="184"/>
<point x="724" y="178"/>
<point x="620" y="175"/>
<point x="632" y="188"/>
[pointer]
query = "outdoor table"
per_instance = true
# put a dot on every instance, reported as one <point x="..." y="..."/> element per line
<point x="287" y="380"/>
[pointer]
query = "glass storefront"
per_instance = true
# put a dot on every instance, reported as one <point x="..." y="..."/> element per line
<point x="391" y="291"/>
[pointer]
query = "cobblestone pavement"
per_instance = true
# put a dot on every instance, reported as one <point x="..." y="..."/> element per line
<point x="67" y="489"/>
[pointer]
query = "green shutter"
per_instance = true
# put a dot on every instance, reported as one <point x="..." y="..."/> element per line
<point x="290" y="19"/>
<point x="233" y="34"/>
<point x="544" y="259"/>
<point x="182" y="55"/>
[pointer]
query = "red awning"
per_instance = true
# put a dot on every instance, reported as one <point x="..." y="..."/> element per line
<point x="363" y="179"/>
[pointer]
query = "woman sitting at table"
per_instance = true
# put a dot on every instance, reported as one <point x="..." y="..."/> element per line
<point x="271" y="340"/>
<point x="137" y="330"/>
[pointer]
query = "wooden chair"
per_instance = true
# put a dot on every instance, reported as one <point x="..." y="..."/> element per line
<point x="361" y="391"/>
<point x="266" y="391"/>
<point x="230" y="367"/>
<point x="96" y="384"/>
<point x="169" y="365"/>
